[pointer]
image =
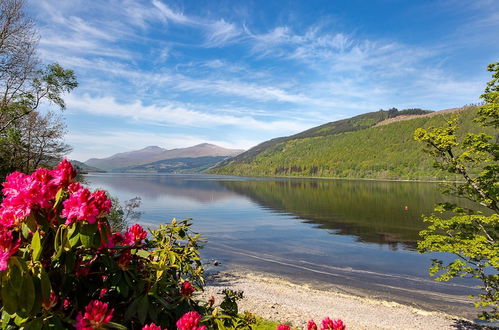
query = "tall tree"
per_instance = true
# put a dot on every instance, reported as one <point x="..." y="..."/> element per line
<point x="24" y="85"/>
<point x="471" y="234"/>
<point x="34" y="140"/>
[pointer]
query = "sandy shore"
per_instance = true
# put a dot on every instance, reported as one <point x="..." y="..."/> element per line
<point x="279" y="300"/>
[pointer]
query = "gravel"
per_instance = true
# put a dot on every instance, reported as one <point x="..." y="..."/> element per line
<point x="279" y="300"/>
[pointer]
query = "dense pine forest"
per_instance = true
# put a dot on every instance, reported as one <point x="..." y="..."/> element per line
<point x="351" y="148"/>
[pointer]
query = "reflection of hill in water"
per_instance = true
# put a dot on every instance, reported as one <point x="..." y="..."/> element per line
<point x="371" y="210"/>
<point x="155" y="186"/>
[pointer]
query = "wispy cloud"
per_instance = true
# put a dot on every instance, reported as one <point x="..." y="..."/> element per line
<point x="220" y="33"/>
<point x="171" y="114"/>
<point x="172" y="16"/>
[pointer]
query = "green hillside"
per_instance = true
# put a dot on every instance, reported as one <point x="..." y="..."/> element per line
<point x="376" y="152"/>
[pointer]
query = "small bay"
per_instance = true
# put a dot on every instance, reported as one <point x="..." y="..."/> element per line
<point x="354" y="236"/>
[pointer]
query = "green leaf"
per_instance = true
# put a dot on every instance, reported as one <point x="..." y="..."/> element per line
<point x="25" y="230"/>
<point x="9" y="299"/>
<point x="5" y="319"/>
<point x="172" y="257"/>
<point x="132" y="309"/>
<point x="88" y="235"/>
<point x="46" y="286"/>
<point x="19" y="320"/>
<point x="36" y="246"/>
<point x="58" y="198"/>
<point x="60" y="241"/>
<point x="15" y="277"/>
<point x="142" y="310"/>
<point x="123" y="288"/>
<point x="112" y="325"/>
<point x="26" y="297"/>
<point x="31" y="222"/>
<point x="143" y="253"/>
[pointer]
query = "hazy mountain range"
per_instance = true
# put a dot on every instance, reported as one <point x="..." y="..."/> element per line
<point x="154" y="158"/>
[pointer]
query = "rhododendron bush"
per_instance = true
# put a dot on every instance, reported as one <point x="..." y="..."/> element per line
<point x="61" y="265"/>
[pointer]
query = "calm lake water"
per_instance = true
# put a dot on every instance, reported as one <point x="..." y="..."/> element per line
<point x="355" y="236"/>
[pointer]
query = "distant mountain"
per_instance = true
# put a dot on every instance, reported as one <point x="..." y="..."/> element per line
<point x="376" y="145"/>
<point x="84" y="168"/>
<point x="154" y="154"/>
<point x="176" y="165"/>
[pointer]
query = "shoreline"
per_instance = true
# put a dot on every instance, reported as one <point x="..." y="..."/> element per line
<point x="278" y="299"/>
<point x="331" y="178"/>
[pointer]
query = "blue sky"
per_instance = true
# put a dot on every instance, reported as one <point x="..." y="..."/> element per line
<point x="236" y="73"/>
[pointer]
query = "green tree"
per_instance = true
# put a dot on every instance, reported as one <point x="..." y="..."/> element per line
<point x="471" y="234"/>
<point x="25" y="84"/>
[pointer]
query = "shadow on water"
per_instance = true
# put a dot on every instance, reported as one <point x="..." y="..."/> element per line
<point x="373" y="211"/>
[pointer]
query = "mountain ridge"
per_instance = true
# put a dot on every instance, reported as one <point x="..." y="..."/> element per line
<point x="152" y="154"/>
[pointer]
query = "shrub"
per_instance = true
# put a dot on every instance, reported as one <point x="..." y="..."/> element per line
<point x="62" y="266"/>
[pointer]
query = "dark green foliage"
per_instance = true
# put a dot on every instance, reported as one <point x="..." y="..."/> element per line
<point x="470" y="234"/>
<point x="381" y="152"/>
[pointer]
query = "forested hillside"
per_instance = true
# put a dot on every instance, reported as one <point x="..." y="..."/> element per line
<point x="377" y="152"/>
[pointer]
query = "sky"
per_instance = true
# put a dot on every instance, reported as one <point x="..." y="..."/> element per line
<point x="236" y="73"/>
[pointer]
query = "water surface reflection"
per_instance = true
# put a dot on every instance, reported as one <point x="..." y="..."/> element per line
<point x="353" y="235"/>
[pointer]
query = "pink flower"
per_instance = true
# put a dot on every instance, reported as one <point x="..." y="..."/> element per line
<point x="135" y="235"/>
<point x="96" y="315"/>
<point x="283" y="327"/>
<point x="82" y="205"/>
<point x="48" y="305"/>
<point x="83" y="268"/>
<point x="311" y="325"/>
<point x="190" y="321"/>
<point x="211" y="301"/>
<point x="22" y="194"/>
<point x="63" y="174"/>
<point x="8" y="247"/>
<point x="152" y="326"/>
<point x="66" y="303"/>
<point x="11" y="217"/>
<point x="103" y="292"/>
<point x="124" y="259"/>
<point x="187" y="289"/>
<point x="327" y="323"/>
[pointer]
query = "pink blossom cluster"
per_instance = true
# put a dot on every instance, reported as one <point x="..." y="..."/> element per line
<point x="152" y="326"/>
<point x="190" y="321"/>
<point x="187" y="289"/>
<point x="327" y="324"/>
<point x="134" y="235"/>
<point x="97" y="314"/>
<point x="82" y="205"/>
<point x="25" y="195"/>
<point x="8" y="247"/>
<point x="283" y="327"/>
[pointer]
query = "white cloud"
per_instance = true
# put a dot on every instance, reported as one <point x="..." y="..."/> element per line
<point x="220" y="33"/>
<point x="172" y="114"/>
<point x="171" y="15"/>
